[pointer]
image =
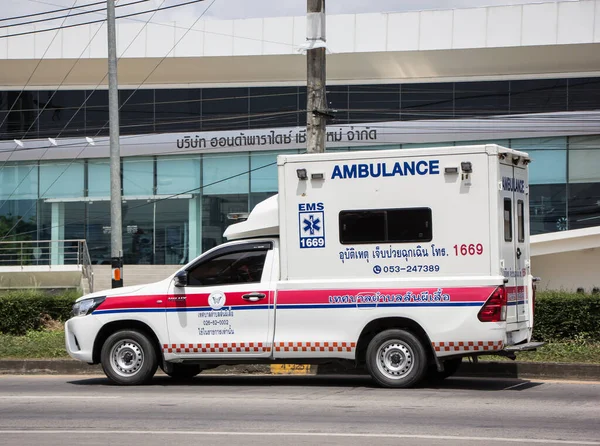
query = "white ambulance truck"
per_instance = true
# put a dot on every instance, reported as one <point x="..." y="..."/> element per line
<point x="403" y="261"/>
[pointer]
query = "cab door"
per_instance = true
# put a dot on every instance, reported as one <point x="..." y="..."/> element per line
<point x="514" y="233"/>
<point x="225" y="306"/>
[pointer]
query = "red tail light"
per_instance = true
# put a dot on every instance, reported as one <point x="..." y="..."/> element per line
<point x="494" y="309"/>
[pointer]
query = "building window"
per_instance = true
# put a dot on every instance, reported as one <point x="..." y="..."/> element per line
<point x="225" y="109"/>
<point x="138" y="177"/>
<point x="61" y="179"/>
<point x="177" y="110"/>
<point x="273" y="107"/>
<point x="584" y="94"/>
<point x="549" y="157"/>
<point x="584" y="159"/>
<point x="480" y="98"/>
<point x="427" y="101"/>
<point x="385" y="226"/>
<point x="177" y="175"/>
<point x="547" y="208"/>
<point x="584" y="205"/>
<point x="64" y="113"/>
<point x="538" y="96"/>
<point x="374" y="103"/>
<point x="96" y="113"/>
<point x="136" y="111"/>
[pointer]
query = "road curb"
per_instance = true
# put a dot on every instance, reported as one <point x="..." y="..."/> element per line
<point x="526" y="370"/>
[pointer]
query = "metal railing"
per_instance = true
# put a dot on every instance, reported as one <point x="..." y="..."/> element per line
<point x="48" y="253"/>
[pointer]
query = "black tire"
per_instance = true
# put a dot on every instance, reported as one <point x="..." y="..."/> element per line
<point x="129" y="358"/>
<point x="396" y="358"/>
<point x="450" y="368"/>
<point x="183" y="372"/>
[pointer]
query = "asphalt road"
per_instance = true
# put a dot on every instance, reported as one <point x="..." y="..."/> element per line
<point x="275" y="410"/>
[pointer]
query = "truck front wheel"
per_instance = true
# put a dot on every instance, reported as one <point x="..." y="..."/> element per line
<point x="128" y="358"/>
<point x="396" y="358"/>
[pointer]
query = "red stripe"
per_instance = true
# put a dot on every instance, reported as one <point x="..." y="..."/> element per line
<point x="464" y="294"/>
<point x="191" y="300"/>
<point x="471" y="294"/>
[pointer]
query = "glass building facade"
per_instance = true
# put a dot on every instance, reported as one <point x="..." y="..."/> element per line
<point x="176" y="206"/>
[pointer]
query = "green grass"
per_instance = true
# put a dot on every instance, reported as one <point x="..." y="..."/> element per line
<point x="51" y="344"/>
<point x="565" y="351"/>
<point x="35" y="344"/>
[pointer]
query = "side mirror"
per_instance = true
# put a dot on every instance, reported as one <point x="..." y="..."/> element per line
<point x="181" y="279"/>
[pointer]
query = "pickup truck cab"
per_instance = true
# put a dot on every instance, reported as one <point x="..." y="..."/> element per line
<point x="402" y="261"/>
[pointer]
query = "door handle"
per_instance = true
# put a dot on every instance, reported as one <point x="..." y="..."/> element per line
<point x="519" y="253"/>
<point x="254" y="297"/>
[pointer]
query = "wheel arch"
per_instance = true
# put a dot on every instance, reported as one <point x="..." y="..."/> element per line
<point x="381" y="324"/>
<point x="128" y="324"/>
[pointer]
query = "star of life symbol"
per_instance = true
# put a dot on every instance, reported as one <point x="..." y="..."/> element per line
<point x="312" y="229"/>
<point x="312" y="224"/>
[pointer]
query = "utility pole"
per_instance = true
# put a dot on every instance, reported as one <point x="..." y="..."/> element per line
<point x="316" y="104"/>
<point x="116" y="237"/>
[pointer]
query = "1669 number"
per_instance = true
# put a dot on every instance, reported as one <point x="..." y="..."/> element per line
<point x="468" y="250"/>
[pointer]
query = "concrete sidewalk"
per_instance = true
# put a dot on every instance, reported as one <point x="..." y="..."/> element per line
<point x="527" y="370"/>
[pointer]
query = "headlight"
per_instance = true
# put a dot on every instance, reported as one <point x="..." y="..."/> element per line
<point x="86" y="306"/>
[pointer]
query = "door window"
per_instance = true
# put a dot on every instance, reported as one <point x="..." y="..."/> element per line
<point x="229" y="269"/>
<point x="508" y="220"/>
<point x="520" y="221"/>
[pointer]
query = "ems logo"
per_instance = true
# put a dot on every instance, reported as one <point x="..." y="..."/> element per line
<point x="311" y="220"/>
<point x="216" y="300"/>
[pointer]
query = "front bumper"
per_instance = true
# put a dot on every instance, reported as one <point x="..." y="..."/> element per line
<point x="80" y="334"/>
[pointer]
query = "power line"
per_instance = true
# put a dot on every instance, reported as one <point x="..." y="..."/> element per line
<point x="51" y="12"/>
<point x="65" y="77"/>
<point x="101" y="20"/>
<point x="152" y="71"/>
<point x="69" y="15"/>
<point x="29" y="80"/>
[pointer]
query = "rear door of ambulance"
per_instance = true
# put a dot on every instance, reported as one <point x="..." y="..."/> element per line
<point x="514" y="238"/>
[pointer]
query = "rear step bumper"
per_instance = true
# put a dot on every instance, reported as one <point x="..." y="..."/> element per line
<point x="524" y="347"/>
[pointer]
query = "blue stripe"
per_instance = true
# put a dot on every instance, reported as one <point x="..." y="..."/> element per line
<point x="312" y="306"/>
<point x="294" y="307"/>
<point x="131" y="310"/>
<point x="181" y="310"/>
<point x="433" y="304"/>
<point x="520" y="302"/>
<point x="399" y="304"/>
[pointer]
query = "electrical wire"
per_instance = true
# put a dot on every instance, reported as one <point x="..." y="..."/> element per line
<point x="69" y="15"/>
<point x="133" y="14"/>
<point x="51" y="12"/>
<point x="64" y="78"/>
<point x="152" y="71"/>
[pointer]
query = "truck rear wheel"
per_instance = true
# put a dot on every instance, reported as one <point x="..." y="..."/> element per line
<point x="396" y="358"/>
<point x="128" y="358"/>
